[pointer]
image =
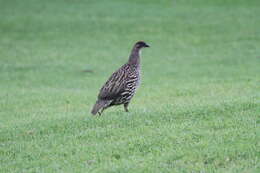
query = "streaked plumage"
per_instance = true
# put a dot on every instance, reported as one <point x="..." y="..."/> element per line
<point x="121" y="86"/>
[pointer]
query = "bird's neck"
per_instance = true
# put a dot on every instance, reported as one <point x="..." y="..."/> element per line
<point x="134" y="58"/>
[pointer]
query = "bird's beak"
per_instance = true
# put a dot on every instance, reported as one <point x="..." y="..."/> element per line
<point x="147" y="45"/>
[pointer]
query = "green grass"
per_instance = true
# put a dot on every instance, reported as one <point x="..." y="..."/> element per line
<point x="197" y="109"/>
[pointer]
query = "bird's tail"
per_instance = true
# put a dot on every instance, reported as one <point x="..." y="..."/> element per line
<point x="99" y="105"/>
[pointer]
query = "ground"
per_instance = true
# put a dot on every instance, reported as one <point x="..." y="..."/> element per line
<point x="197" y="109"/>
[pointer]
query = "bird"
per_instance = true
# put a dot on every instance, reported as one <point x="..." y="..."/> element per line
<point x="122" y="84"/>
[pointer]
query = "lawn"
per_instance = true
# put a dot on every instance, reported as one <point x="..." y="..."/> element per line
<point x="197" y="109"/>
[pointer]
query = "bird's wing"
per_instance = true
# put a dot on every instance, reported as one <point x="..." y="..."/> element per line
<point x="115" y="85"/>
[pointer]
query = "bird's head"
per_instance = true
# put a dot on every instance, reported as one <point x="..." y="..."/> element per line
<point x="141" y="44"/>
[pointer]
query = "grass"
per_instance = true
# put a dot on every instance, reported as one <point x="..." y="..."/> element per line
<point x="197" y="109"/>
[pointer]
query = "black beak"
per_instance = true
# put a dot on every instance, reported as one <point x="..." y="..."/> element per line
<point x="146" y="45"/>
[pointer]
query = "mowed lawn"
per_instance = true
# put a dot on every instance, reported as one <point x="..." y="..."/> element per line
<point x="197" y="109"/>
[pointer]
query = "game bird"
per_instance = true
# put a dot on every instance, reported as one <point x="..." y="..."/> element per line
<point x="122" y="84"/>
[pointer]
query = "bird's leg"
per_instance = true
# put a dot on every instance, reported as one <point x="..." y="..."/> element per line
<point x="126" y="106"/>
<point x="100" y="112"/>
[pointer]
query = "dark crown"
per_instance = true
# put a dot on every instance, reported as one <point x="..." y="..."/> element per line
<point x="141" y="44"/>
